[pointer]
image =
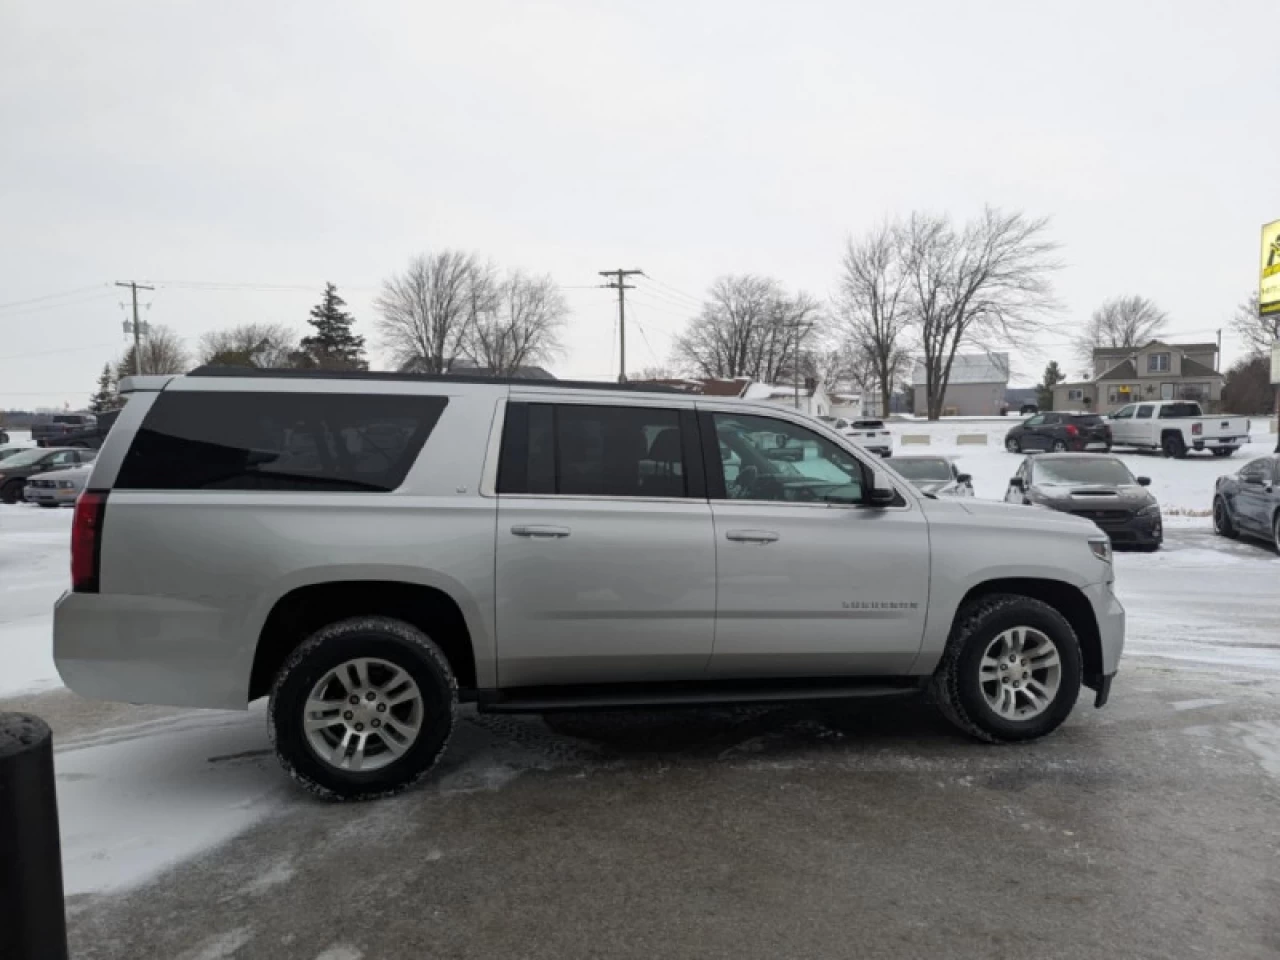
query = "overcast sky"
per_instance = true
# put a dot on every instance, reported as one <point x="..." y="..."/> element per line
<point x="286" y="144"/>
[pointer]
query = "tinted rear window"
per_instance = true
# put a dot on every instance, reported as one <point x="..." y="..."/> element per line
<point x="278" y="441"/>
<point x="1086" y="419"/>
<point x="1172" y="411"/>
<point x="869" y="424"/>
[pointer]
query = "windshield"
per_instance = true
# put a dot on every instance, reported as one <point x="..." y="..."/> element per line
<point x="931" y="469"/>
<point x="869" y="424"/>
<point x="1111" y="473"/>
<point x="26" y="458"/>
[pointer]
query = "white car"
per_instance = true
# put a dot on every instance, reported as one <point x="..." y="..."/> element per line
<point x="871" y="434"/>
<point x="935" y="475"/>
<point x="1176" y="427"/>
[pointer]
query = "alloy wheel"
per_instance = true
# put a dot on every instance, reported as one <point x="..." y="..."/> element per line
<point x="363" y="714"/>
<point x="1020" y="672"/>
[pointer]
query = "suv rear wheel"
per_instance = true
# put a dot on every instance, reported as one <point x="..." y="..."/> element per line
<point x="1011" y="670"/>
<point x="363" y="709"/>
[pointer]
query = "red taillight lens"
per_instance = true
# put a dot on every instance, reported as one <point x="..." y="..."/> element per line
<point x="1073" y="430"/>
<point x="86" y="540"/>
<point x="1197" y="428"/>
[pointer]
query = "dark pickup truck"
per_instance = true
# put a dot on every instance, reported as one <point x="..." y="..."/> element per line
<point x="88" y="436"/>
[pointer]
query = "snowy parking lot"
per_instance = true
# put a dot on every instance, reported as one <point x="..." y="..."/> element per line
<point x="778" y="831"/>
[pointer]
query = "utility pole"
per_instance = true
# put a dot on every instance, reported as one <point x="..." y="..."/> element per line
<point x="620" y="284"/>
<point x="1217" y="357"/>
<point x="137" y="329"/>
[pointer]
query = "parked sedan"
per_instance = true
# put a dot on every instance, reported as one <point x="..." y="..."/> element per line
<point x="59" y="488"/>
<point x="1059" y="432"/>
<point x="936" y="475"/>
<point x="1098" y="488"/>
<point x="15" y="471"/>
<point x="1248" y="502"/>
<point x="13" y="449"/>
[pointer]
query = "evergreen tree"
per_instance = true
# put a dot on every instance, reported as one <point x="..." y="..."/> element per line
<point x="106" y="397"/>
<point x="1053" y="376"/>
<point x="334" y="346"/>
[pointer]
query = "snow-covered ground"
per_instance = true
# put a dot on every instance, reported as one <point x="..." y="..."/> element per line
<point x="35" y="568"/>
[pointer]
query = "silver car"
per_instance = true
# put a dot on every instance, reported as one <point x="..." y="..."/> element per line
<point x="935" y="475"/>
<point x="370" y="550"/>
<point x="58" y="488"/>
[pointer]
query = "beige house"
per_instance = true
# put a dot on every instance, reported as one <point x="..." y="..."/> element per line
<point x="1156" y="371"/>
<point x="976" y="388"/>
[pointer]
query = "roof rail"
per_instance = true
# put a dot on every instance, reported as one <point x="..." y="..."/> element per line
<point x="144" y="383"/>
<point x="257" y="373"/>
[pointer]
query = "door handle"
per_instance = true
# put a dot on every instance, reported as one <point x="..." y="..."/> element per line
<point x="536" y="530"/>
<point x="751" y="536"/>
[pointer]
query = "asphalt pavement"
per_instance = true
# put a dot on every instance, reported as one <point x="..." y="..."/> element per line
<point x="865" y="829"/>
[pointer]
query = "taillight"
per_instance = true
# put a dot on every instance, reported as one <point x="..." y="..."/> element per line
<point x="1073" y="430"/>
<point x="1197" y="428"/>
<point x="86" y="540"/>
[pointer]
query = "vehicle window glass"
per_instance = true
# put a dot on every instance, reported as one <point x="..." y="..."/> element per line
<point x="782" y="461"/>
<point x="1174" y="411"/>
<point x="278" y="441"/>
<point x="24" y="459"/>
<point x="931" y="469"/>
<point x="868" y="424"/>
<point x="1083" y="470"/>
<point x="1035" y="421"/>
<point x="596" y="451"/>
<point x="1124" y="413"/>
<point x="59" y="459"/>
<point x="1145" y="411"/>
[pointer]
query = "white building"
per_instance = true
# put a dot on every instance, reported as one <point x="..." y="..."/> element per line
<point x="976" y="387"/>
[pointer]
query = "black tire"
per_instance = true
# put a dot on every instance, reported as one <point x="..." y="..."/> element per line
<point x="384" y="638"/>
<point x="956" y="687"/>
<point x="1222" y="524"/>
<point x="1013" y="444"/>
<point x="1275" y="532"/>
<point x="11" y="492"/>
<point x="1059" y="446"/>
<point x="1173" y="446"/>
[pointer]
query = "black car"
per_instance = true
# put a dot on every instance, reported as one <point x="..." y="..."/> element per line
<point x="1098" y="488"/>
<point x="1059" y="433"/>
<point x="15" y="470"/>
<point x="1248" y="502"/>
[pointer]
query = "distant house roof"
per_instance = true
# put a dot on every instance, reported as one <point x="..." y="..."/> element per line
<point x="1183" y="347"/>
<point x="1127" y="369"/>
<point x="775" y="391"/>
<point x="1194" y="368"/>
<point x="1124" y="370"/>
<point x="970" y="368"/>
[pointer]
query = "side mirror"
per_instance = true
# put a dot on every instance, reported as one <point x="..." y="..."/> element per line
<point x="881" y="492"/>
<point x="1144" y="481"/>
<point x="1253" y="479"/>
<point x="964" y="478"/>
<point x="1016" y="483"/>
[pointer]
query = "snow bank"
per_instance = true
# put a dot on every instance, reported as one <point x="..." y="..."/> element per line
<point x="34" y="571"/>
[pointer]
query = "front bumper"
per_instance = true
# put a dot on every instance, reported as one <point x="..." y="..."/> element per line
<point x="1137" y="531"/>
<point x="1110" y="617"/>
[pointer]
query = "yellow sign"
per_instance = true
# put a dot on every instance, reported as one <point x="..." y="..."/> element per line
<point x="1269" y="283"/>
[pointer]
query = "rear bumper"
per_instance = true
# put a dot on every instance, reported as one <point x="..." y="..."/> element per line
<point x="149" y="650"/>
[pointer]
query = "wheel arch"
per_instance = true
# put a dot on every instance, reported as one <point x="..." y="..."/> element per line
<point x="1067" y="599"/>
<point x="298" y="613"/>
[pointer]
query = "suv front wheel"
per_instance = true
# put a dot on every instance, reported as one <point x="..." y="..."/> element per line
<point x="363" y="709"/>
<point x="1011" y="669"/>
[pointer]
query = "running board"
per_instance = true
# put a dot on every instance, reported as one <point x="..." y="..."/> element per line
<point x="618" y="696"/>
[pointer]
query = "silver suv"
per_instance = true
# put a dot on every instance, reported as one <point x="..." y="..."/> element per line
<point x="369" y="550"/>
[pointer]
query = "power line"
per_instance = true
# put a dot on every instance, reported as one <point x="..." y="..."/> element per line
<point x="92" y="298"/>
<point x="663" y="297"/>
<point x="51" y="296"/>
<point x="46" y="353"/>
<point x="137" y="326"/>
<point x="688" y="296"/>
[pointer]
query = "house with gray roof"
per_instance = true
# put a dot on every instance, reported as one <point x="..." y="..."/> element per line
<point x="976" y="388"/>
<point x="1154" y="371"/>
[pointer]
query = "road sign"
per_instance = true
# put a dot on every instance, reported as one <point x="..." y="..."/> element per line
<point x="1269" y="279"/>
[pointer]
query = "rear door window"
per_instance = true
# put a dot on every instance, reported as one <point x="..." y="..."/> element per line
<point x="1145" y="411"/>
<point x="599" y="451"/>
<point x="278" y="441"/>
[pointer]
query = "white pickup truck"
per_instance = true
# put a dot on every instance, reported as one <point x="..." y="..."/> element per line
<point x="1176" y="427"/>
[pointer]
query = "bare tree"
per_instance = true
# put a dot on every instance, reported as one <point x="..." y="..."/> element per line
<point x="874" y="304"/>
<point x="427" y="311"/>
<point x="1257" y="332"/>
<point x="988" y="281"/>
<point x="162" y="352"/>
<point x="518" y="326"/>
<point x="749" y="327"/>
<point x="263" y="345"/>
<point x="1129" y="321"/>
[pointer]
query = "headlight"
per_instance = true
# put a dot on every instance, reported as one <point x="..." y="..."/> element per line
<point x="1101" y="549"/>
<point x="1150" y="510"/>
<point x="65" y="485"/>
